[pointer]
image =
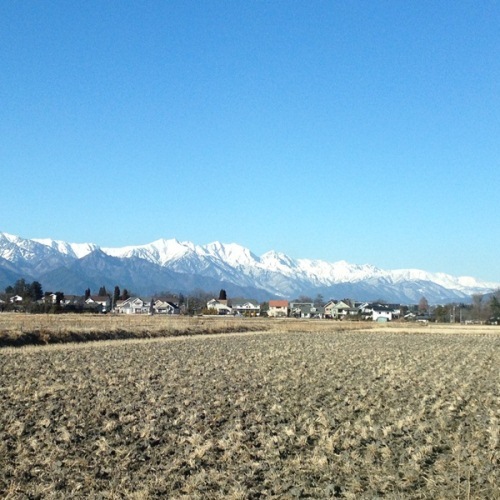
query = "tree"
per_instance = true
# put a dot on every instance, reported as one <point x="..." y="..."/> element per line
<point x="197" y="301"/>
<point x="441" y="314"/>
<point x="423" y="306"/>
<point x="264" y="308"/>
<point x="20" y="287"/>
<point x="35" y="291"/>
<point x="87" y="293"/>
<point x="102" y="291"/>
<point x="318" y="301"/>
<point x="304" y="299"/>
<point x="222" y="295"/>
<point x="116" y="294"/>
<point x="125" y="294"/>
<point x="477" y="305"/>
<point x="495" y="305"/>
<point x="59" y="298"/>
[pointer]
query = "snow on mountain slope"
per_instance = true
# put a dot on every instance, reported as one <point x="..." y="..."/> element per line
<point x="159" y="252"/>
<point x="231" y="253"/>
<point x="17" y="249"/>
<point x="274" y="272"/>
<point x="77" y="250"/>
<point x="462" y="283"/>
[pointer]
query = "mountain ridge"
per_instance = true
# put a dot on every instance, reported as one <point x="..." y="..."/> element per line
<point x="216" y="265"/>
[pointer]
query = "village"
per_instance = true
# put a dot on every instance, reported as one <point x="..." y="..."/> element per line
<point x="344" y="309"/>
<point x="30" y="298"/>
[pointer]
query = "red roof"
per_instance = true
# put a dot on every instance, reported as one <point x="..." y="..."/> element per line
<point x="278" y="303"/>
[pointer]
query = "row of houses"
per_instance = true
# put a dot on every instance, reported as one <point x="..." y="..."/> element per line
<point x="335" y="309"/>
<point x="137" y="305"/>
<point x="132" y="305"/>
<point x="235" y="307"/>
<point x="66" y="300"/>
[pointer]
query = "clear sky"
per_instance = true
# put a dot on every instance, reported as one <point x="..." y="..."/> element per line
<point x="364" y="131"/>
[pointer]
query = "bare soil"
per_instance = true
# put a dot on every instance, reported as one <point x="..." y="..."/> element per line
<point x="383" y="412"/>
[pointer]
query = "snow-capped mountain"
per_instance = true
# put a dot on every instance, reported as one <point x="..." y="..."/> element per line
<point x="168" y="264"/>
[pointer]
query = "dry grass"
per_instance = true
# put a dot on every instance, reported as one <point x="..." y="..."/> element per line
<point x="26" y="329"/>
<point x="395" y="412"/>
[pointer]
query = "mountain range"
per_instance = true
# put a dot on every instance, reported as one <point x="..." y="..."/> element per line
<point x="171" y="265"/>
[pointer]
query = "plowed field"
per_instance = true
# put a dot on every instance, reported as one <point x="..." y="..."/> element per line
<point x="368" y="414"/>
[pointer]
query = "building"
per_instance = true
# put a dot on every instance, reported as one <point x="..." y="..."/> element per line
<point x="278" y="308"/>
<point x="220" y="305"/>
<point x="133" y="305"/>
<point x="165" y="307"/>
<point x="102" y="302"/>
<point x="246" y="307"/>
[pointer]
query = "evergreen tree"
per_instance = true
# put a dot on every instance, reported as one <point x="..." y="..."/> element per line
<point x="87" y="293"/>
<point x="222" y="295"/>
<point x="20" y="287"/>
<point x="59" y="297"/>
<point x="35" y="291"/>
<point x="125" y="294"/>
<point x="102" y="291"/>
<point x="116" y="294"/>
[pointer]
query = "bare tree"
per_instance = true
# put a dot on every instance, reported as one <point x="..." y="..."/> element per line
<point x="477" y="306"/>
<point x="423" y="306"/>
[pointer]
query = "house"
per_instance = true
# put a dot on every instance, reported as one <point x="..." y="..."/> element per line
<point x="72" y="299"/>
<point x="100" y="301"/>
<point x="338" y="309"/>
<point x="133" y="305"/>
<point x="16" y="298"/>
<point x="246" y="307"/>
<point x="379" y="312"/>
<point x="301" y="309"/>
<point x="165" y="307"/>
<point x="220" y="305"/>
<point x="64" y="301"/>
<point x="318" y="312"/>
<point x="278" y="308"/>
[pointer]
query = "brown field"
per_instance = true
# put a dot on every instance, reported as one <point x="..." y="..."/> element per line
<point x="299" y="409"/>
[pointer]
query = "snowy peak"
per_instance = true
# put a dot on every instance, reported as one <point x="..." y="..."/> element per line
<point x="77" y="250"/>
<point x="159" y="252"/>
<point x="274" y="273"/>
<point x="277" y="261"/>
<point x="232" y="253"/>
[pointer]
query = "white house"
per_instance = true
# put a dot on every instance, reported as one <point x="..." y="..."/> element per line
<point x="220" y="306"/>
<point x="378" y="312"/>
<point x="133" y="305"/>
<point x="337" y="309"/>
<point x="381" y="315"/>
<point x="165" y="307"/>
<point x="247" y="307"/>
<point x="100" y="300"/>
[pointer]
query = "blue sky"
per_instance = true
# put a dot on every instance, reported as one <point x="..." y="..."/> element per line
<point x="365" y="131"/>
